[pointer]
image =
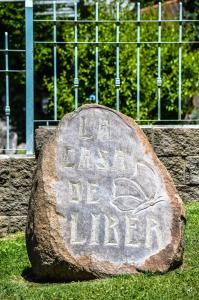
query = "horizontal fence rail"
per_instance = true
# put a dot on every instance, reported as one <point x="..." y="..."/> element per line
<point x="54" y="20"/>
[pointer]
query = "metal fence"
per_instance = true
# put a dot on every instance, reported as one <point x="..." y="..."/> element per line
<point x="30" y="43"/>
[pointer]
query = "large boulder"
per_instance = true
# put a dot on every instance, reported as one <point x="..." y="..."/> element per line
<point x="102" y="203"/>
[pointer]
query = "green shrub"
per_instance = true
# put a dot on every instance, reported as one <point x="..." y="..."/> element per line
<point x="107" y="65"/>
<point x="12" y="14"/>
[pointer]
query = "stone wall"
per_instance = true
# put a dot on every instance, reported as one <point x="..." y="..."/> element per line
<point x="15" y="185"/>
<point x="176" y="147"/>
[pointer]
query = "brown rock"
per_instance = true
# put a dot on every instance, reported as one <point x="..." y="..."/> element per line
<point x="42" y="136"/>
<point x="102" y="203"/>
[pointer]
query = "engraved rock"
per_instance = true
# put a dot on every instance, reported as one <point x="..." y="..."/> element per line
<point x="102" y="203"/>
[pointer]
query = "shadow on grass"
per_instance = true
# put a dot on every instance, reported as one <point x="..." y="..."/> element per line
<point x="29" y="276"/>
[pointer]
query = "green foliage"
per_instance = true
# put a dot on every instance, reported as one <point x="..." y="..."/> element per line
<point x="181" y="283"/>
<point x="192" y="13"/>
<point x="12" y="21"/>
<point x="128" y="63"/>
<point x="11" y="16"/>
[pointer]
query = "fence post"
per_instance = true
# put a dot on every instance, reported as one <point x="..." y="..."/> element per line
<point x="117" y="80"/>
<point x="76" y="80"/>
<point x="7" y="108"/>
<point x="29" y="78"/>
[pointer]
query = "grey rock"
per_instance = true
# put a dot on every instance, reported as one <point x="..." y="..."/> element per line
<point x="102" y="203"/>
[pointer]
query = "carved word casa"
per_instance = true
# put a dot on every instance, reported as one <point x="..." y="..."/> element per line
<point x="135" y="234"/>
<point x="89" y="160"/>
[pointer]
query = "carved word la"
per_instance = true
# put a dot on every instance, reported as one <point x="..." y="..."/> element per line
<point x="86" y="129"/>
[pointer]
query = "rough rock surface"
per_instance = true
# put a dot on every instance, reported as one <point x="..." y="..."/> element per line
<point x="102" y="203"/>
<point x="15" y="186"/>
<point x="41" y="138"/>
<point x="176" y="142"/>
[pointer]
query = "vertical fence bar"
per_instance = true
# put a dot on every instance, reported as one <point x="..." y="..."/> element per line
<point x="7" y="107"/>
<point x="96" y="53"/>
<point x="180" y="64"/>
<point x="29" y="77"/>
<point x="138" y="61"/>
<point x="55" y="58"/>
<point x="76" y="80"/>
<point x="159" y="79"/>
<point x="117" y="80"/>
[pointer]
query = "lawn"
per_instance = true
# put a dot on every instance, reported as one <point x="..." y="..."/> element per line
<point x="182" y="283"/>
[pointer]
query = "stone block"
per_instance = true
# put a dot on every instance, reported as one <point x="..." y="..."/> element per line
<point x="176" y="141"/>
<point x="17" y="223"/>
<point x="192" y="170"/>
<point x="4" y="172"/>
<point x="14" y="202"/>
<point x="18" y="203"/>
<point x="188" y="193"/>
<point x="176" y="167"/>
<point x="4" y="224"/>
<point x="21" y="173"/>
<point x="148" y="131"/>
<point x="5" y="200"/>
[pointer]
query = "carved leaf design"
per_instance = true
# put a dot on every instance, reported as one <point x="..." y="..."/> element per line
<point x="128" y="194"/>
<point x="138" y="193"/>
<point x="147" y="204"/>
<point x="147" y="179"/>
<point x="126" y="203"/>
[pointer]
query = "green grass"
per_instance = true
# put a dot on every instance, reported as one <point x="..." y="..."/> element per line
<point x="182" y="283"/>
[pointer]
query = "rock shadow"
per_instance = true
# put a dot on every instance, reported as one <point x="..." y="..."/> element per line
<point x="29" y="276"/>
